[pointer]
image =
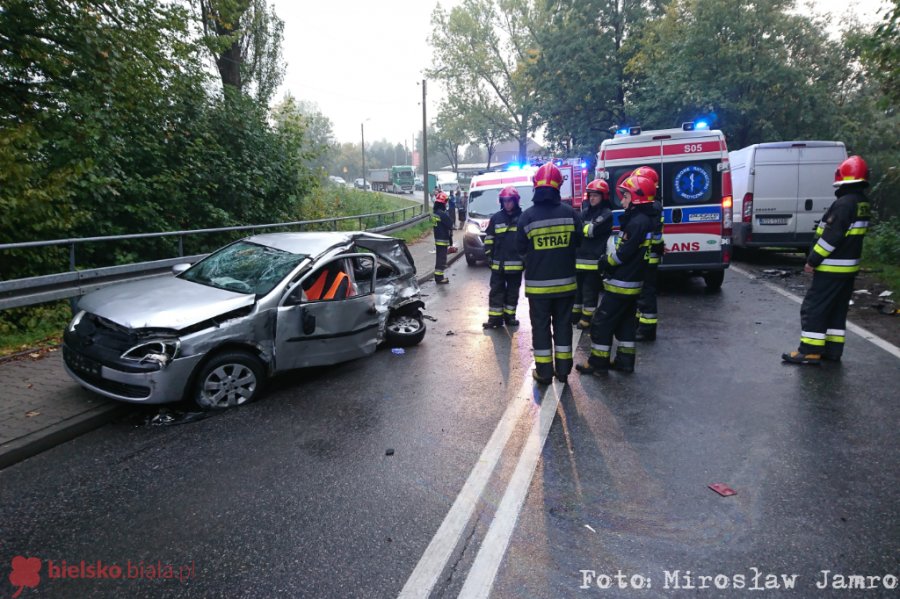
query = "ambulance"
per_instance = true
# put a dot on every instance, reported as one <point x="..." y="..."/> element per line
<point x="484" y="201"/>
<point x="695" y="190"/>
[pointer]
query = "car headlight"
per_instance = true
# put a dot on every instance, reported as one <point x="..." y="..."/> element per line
<point x="75" y="321"/>
<point x="473" y="229"/>
<point x="160" y="351"/>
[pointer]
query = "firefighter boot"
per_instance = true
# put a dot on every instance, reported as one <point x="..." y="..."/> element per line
<point x="540" y="379"/>
<point x="493" y="322"/>
<point x="645" y="332"/>
<point x="594" y="365"/>
<point x="584" y="324"/>
<point x="510" y="320"/>
<point x="796" y="357"/>
<point x="623" y="362"/>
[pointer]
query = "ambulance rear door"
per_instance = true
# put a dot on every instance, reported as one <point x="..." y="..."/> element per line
<point x="691" y="187"/>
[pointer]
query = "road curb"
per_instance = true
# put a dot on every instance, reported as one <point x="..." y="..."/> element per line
<point x="34" y="443"/>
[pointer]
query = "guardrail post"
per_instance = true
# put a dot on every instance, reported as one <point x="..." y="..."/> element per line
<point x="180" y="246"/>
<point x="71" y="256"/>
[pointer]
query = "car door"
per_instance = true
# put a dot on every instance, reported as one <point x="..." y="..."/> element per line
<point x="328" y="331"/>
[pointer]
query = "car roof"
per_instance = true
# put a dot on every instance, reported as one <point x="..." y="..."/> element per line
<point x="311" y="243"/>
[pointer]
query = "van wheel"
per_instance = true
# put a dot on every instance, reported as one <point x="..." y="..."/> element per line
<point x="231" y="378"/>
<point x="714" y="279"/>
<point x="405" y="330"/>
<point x="471" y="261"/>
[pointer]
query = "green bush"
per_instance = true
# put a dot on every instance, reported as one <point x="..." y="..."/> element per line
<point x="882" y="243"/>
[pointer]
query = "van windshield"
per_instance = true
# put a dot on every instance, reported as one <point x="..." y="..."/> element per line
<point x="483" y="203"/>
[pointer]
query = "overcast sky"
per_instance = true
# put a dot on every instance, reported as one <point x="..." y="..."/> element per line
<point x="362" y="60"/>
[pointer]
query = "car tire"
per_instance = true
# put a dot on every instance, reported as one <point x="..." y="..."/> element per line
<point x="405" y="330"/>
<point x="471" y="261"/>
<point x="714" y="279"/>
<point x="229" y="379"/>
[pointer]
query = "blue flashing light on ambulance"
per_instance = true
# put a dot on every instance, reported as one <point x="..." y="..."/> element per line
<point x="694" y="189"/>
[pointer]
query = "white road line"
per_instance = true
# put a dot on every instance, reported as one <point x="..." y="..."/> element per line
<point x="484" y="570"/>
<point x="865" y="334"/>
<point x="437" y="554"/>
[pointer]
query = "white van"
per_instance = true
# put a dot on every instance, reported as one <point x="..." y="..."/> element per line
<point x="781" y="190"/>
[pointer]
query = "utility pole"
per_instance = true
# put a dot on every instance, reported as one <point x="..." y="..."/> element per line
<point x="424" y="151"/>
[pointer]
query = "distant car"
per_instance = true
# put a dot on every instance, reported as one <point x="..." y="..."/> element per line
<point x="338" y="181"/>
<point x="419" y="184"/>
<point x="362" y="184"/>
<point x="216" y="330"/>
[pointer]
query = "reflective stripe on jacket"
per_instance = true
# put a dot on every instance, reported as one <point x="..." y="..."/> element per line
<point x="840" y="233"/>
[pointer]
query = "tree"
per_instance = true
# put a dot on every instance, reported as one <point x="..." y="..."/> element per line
<point x="579" y="72"/>
<point x="318" y="136"/>
<point x="244" y="37"/>
<point x="474" y="154"/>
<point x="765" y="73"/>
<point x="481" y="50"/>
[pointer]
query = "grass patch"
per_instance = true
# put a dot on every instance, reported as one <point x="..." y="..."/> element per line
<point x="415" y="232"/>
<point x="32" y="327"/>
<point x="887" y="274"/>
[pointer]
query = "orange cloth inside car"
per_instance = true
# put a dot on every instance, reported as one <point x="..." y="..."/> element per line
<point x="336" y="283"/>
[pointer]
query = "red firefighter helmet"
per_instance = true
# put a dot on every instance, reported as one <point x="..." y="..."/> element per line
<point x="642" y="189"/>
<point x="598" y="185"/>
<point x="441" y="197"/>
<point x="852" y="170"/>
<point x="509" y="193"/>
<point x="646" y="171"/>
<point x="548" y="176"/>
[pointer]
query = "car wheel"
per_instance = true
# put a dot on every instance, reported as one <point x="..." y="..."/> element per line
<point x="714" y="279"/>
<point x="405" y="330"/>
<point x="229" y="379"/>
<point x="470" y="260"/>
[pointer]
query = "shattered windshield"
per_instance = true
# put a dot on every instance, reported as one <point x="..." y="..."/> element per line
<point x="244" y="267"/>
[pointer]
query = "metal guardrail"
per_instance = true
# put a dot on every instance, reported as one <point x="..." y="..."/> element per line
<point x="30" y="291"/>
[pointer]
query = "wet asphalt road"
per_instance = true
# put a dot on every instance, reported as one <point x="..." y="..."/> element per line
<point x="334" y="483"/>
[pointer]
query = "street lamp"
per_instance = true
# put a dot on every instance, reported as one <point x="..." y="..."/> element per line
<point x="362" y="133"/>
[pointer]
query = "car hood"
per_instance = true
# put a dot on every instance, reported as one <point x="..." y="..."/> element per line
<point x="162" y="302"/>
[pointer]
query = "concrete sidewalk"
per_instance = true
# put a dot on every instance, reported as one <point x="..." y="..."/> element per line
<point x="41" y="407"/>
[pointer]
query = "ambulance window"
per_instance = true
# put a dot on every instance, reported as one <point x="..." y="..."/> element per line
<point x="618" y="174"/>
<point x="687" y="183"/>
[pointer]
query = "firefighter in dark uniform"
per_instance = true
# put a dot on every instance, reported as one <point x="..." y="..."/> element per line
<point x="625" y="277"/>
<point x="549" y="231"/>
<point x="834" y="262"/>
<point x="647" y="314"/>
<point x="596" y="214"/>
<point x="506" y="263"/>
<point x="443" y="236"/>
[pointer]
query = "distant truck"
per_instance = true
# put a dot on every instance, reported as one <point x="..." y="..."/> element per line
<point x="396" y="179"/>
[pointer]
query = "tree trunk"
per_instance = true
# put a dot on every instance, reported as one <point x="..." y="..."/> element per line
<point x="229" y="64"/>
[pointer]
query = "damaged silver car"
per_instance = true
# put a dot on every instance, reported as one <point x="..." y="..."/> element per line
<point x="262" y="305"/>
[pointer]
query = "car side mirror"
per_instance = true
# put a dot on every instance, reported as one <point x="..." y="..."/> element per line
<point x="308" y="321"/>
<point x="180" y="268"/>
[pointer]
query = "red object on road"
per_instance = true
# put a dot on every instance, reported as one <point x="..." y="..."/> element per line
<point x="452" y="249"/>
<point x="723" y="489"/>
